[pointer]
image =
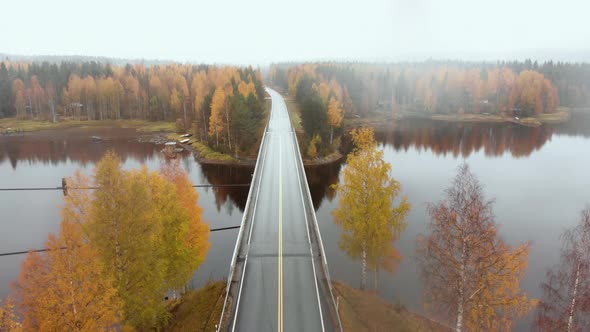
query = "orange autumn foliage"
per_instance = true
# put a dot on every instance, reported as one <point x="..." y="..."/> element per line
<point x="472" y="275"/>
<point x="8" y="319"/>
<point x="65" y="289"/>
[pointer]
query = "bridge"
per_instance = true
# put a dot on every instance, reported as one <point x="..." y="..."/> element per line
<point x="278" y="278"/>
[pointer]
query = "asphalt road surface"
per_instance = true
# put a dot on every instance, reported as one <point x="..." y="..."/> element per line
<point x="279" y="290"/>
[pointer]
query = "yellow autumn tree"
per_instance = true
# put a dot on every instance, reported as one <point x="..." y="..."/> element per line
<point x="147" y="230"/>
<point x="216" y="124"/>
<point x="246" y="89"/>
<point x="324" y="91"/>
<point x="8" y="319"/>
<point x="200" y="89"/>
<point x="472" y="276"/>
<point x="65" y="289"/>
<point x="312" y="149"/>
<point x="196" y="240"/>
<point x="135" y="223"/>
<point x="334" y="116"/>
<point x="368" y="214"/>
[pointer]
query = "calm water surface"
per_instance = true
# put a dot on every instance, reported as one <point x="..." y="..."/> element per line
<point x="538" y="176"/>
<point x="42" y="159"/>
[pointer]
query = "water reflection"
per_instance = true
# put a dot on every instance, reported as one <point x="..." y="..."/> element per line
<point x="539" y="177"/>
<point x="74" y="145"/>
<point x="223" y="174"/>
<point x="41" y="159"/>
<point x="463" y="139"/>
<point x="320" y="180"/>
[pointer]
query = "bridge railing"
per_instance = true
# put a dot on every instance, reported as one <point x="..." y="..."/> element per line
<point x="245" y="217"/>
<point x="315" y="228"/>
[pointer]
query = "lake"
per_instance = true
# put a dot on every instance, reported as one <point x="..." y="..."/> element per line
<point x="42" y="159"/>
<point x="538" y="177"/>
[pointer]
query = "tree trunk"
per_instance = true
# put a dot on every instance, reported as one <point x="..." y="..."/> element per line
<point x="52" y="108"/>
<point x="30" y="107"/>
<point x="205" y="129"/>
<point x="118" y="107"/>
<point x="331" y="134"/>
<point x="137" y="111"/>
<point x="570" y="319"/>
<point x="184" y="110"/>
<point x="376" y="277"/>
<point x="364" y="270"/>
<point x="228" y="131"/>
<point x="460" y="307"/>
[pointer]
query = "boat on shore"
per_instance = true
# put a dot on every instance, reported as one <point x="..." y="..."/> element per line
<point x="171" y="150"/>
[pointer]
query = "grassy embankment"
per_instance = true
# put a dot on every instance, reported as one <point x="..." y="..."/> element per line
<point x="364" y="311"/>
<point x="561" y="115"/>
<point x="207" y="155"/>
<point x="295" y="112"/>
<point x="139" y="125"/>
<point x="200" y="310"/>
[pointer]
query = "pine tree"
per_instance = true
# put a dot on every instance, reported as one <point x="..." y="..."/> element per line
<point x="6" y="96"/>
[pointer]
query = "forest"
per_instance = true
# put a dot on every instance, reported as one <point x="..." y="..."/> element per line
<point x="524" y="88"/>
<point x="329" y="92"/>
<point x="221" y="105"/>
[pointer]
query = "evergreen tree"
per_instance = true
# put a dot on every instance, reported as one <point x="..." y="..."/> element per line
<point x="6" y="96"/>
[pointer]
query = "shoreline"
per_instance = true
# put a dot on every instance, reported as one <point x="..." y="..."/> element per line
<point x="383" y="120"/>
<point x="326" y="160"/>
<point x="212" y="161"/>
<point x="161" y="131"/>
<point x="27" y="126"/>
<point x="228" y="160"/>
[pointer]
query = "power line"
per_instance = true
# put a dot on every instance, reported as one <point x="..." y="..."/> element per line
<point x="224" y="228"/>
<point x="26" y="252"/>
<point x="47" y="188"/>
<point x="93" y="188"/>
<point x="63" y="248"/>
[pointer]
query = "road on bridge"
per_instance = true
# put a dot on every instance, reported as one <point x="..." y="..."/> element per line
<point x="279" y="288"/>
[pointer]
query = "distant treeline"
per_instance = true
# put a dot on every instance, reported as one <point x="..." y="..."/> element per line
<point x="223" y="104"/>
<point x="322" y="105"/>
<point x="448" y="87"/>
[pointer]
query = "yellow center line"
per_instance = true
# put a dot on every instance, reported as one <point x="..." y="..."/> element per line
<point x="280" y="304"/>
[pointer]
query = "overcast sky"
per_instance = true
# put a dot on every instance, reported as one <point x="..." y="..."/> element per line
<point x="263" y="31"/>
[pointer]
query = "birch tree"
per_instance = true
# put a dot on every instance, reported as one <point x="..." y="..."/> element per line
<point x="368" y="213"/>
<point x="472" y="275"/>
<point x="335" y="116"/>
<point x="216" y="124"/>
<point x="565" y="305"/>
<point x="195" y="237"/>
